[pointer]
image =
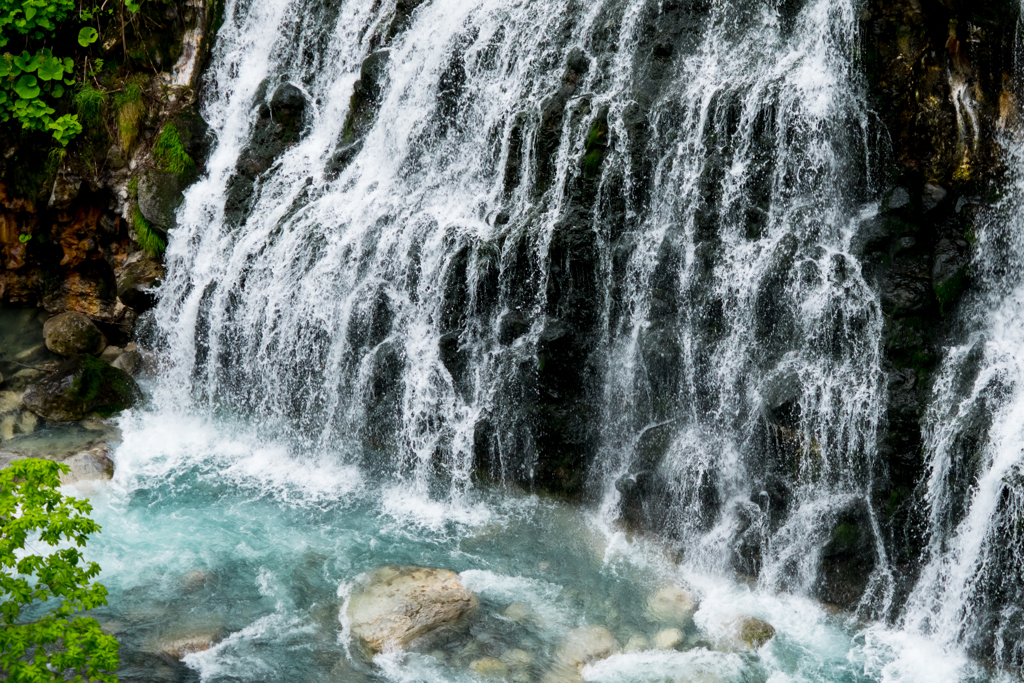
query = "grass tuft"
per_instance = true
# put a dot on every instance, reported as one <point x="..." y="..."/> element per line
<point x="169" y="153"/>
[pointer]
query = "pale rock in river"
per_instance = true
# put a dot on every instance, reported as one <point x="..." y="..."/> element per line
<point x="398" y="605"/>
<point x="672" y="605"/>
<point x="581" y="646"/>
<point x="668" y="639"/>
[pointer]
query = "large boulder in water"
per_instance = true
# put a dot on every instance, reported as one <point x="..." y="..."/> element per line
<point x="398" y="605"/>
<point x="72" y="333"/>
<point x="81" y="385"/>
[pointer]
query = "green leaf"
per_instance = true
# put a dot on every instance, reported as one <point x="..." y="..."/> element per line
<point x="57" y="90"/>
<point x="27" y="87"/>
<point x="28" y="63"/>
<point x="52" y="69"/>
<point x="87" y="36"/>
<point x="30" y="12"/>
<point x="69" y="64"/>
<point x="5" y="67"/>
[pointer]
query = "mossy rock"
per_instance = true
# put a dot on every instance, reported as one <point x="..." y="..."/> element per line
<point x="72" y="333"/>
<point x="160" y="195"/>
<point x="80" y="386"/>
<point x="755" y="632"/>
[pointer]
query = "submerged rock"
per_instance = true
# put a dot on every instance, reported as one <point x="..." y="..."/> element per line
<point x="73" y="333"/>
<point x="489" y="667"/>
<point x="668" y="639"/>
<point x="399" y="605"/>
<point x="581" y="646"/>
<point x="81" y="385"/>
<point x="672" y="605"/>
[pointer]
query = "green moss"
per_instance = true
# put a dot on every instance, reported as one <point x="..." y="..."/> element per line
<point x="169" y="153"/>
<point x="130" y="110"/>
<point x="596" y="145"/>
<point x="149" y="239"/>
<point x="756" y="633"/>
<point x="950" y="290"/>
<point x="845" y="536"/>
<point x="96" y="376"/>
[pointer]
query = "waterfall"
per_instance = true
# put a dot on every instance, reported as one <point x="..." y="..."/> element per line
<point x="607" y="248"/>
<point x="972" y="585"/>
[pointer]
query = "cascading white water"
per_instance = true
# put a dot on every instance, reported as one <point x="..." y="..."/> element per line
<point x="970" y="590"/>
<point x="682" y="211"/>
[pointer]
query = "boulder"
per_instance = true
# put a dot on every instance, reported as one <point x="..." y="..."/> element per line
<point x="581" y="646"/>
<point x="131" y="360"/>
<point x="137" y="283"/>
<point x="668" y="639"/>
<point x="396" y="606"/>
<point x="744" y="634"/>
<point x="179" y="648"/>
<point x="81" y="385"/>
<point x="93" y="464"/>
<point x="673" y="606"/>
<point x="72" y="333"/>
<point x="160" y="195"/>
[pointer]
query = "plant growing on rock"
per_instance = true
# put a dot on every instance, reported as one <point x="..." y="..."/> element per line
<point x="38" y="644"/>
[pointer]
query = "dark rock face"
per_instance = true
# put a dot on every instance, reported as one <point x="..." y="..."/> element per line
<point x="137" y="283"/>
<point x="81" y="385"/>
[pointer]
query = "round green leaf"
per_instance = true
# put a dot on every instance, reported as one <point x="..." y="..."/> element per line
<point x="87" y="36"/>
<point x="52" y="69"/>
<point x="30" y="12"/>
<point x="27" y="62"/>
<point x="5" y="68"/>
<point x="27" y="87"/>
<point x="57" y="90"/>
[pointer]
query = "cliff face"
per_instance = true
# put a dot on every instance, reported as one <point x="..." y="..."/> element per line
<point x="73" y="221"/>
<point x="940" y="76"/>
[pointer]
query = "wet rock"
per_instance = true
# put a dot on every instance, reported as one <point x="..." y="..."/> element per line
<point x="65" y="190"/>
<point x="180" y="648"/>
<point x="489" y="667"/>
<point x="668" y="639"/>
<point x="672" y="605"/>
<point x="137" y="283"/>
<point x="932" y="196"/>
<point x="516" y="658"/>
<point x="131" y="361"/>
<point x="81" y="385"/>
<point x="72" y="333"/>
<point x="93" y="464"/>
<point x="744" y="633"/>
<point x="848" y="559"/>
<point x="159" y="196"/>
<point x="399" y="605"/>
<point x="195" y="580"/>
<point x="637" y="644"/>
<point x="581" y="646"/>
<point x="110" y="354"/>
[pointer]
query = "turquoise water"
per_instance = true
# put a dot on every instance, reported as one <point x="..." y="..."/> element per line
<point x="213" y="532"/>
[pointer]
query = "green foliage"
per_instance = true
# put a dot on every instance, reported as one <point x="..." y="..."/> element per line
<point x="24" y="238"/>
<point x="60" y="643"/>
<point x="87" y="36"/>
<point x="24" y="80"/>
<point x="89" y="102"/>
<point x="169" y="153"/>
<point x="32" y="18"/>
<point x="149" y="239"/>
